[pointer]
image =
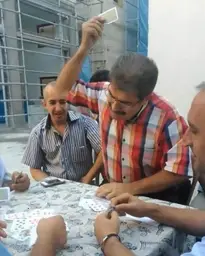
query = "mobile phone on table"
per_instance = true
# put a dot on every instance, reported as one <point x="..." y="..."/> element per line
<point x="52" y="182"/>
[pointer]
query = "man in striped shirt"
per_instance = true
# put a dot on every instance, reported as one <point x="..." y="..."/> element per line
<point x="140" y="131"/>
<point x="61" y="144"/>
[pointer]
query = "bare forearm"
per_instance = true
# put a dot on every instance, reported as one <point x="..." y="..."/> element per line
<point x="96" y="168"/>
<point x="38" y="174"/>
<point x="43" y="248"/>
<point x="114" y="247"/>
<point x="157" y="182"/>
<point x="70" y="72"/>
<point x="190" y="221"/>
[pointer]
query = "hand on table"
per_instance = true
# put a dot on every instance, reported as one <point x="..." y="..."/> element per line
<point x="20" y="184"/>
<point x="86" y="180"/>
<point x="113" y="189"/>
<point x="52" y="230"/>
<point x="127" y="203"/>
<point x="2" y="227"/>
<point x="105" y="226"/>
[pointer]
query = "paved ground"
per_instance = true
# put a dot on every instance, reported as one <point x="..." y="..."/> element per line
<point x="12" y="146"/>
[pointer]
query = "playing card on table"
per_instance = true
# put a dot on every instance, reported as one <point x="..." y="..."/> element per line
<point x="20" y="225"/>
<point x="13" y="216"/>
<point x="41" y="213"/>
<point x="99" y="204"/>
<point x="110" y="15"/>
<point x="21" y="235"/>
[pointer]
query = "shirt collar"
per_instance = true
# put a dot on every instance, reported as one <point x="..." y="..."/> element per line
<point x="71" y="117"/>
<point x="135" y="117"/>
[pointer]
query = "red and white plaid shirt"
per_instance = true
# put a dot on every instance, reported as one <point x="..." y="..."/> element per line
<point x="141" y="148"/>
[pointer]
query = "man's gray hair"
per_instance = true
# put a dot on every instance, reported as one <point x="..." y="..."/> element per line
<point x="201" y="86"/>
<point x="134" y="73"/>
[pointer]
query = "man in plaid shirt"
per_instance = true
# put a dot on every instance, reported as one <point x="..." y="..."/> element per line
<point x="140" y="131"/>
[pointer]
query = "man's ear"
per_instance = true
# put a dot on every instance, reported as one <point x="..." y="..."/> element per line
<point x="43" y="102"/>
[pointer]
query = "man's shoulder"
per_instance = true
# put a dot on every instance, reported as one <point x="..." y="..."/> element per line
<point x="81" y="117"/>
<point x="164" y="105"/>
<point x="39" y="127"/>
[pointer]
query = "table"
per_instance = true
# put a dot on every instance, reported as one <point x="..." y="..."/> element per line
<point x="142" y="238"/>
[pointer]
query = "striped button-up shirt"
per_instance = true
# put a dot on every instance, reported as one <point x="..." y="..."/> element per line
<point x="137" y="149"/>
<point x="68" y="156"/>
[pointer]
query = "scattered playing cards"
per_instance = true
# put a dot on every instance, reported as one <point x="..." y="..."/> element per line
<point x="110" y="15"/>
<point x="24" y="223"/>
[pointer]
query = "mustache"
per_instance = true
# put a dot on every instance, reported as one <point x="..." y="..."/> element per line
<point x="119" y="113"/>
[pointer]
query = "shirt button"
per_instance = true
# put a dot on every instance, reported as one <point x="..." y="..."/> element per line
<point x="123" y="140"/>
<point x="123" y="159"/>
<point x="124" y="177"/>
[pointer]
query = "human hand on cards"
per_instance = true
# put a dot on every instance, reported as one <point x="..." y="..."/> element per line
<point x="52" y="230"/>
<point x="127" y="203"/>
<point x="20" y="181"/>
<point x="2" y="227"/>
<point x="105" y="226"/>
<point x="91" y="32"/>
<point x="114" y="189"/>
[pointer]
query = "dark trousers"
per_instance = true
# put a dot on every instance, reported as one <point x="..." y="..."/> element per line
<point x="176" y="194"/>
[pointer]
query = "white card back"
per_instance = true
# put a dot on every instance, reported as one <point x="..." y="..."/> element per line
<point x="110" y="15"/>
<point x="4" y="194"/>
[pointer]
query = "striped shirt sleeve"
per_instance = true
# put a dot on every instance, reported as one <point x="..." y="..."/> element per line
<point x="177" y="155"/>
<point x="33" y="155"/>
<point x="85" y="95"/>
<point x="92" y="133"/>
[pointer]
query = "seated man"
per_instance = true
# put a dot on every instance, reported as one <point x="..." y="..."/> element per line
<point x="61" y="144"/>
<point x="17" y="181"/>
<point x="140" y="131"/>
<point x="190" y="221"/>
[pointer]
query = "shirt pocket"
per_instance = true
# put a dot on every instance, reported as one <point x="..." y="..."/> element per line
<point x="79" y="154"/>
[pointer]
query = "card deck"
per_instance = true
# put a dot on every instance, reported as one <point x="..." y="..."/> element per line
<point x="4" y="194"/>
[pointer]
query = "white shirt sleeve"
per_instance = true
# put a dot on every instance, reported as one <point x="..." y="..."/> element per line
<point x="197" y="250"/>
<point x="4" y="175"/>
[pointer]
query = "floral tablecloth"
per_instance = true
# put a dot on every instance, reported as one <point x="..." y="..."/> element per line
<point x="143" y="239"/>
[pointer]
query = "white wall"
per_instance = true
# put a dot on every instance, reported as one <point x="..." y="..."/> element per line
<point x="177" y="44"/>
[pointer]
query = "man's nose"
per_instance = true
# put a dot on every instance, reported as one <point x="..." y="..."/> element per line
<point x="58" y="106"/>
<point x="187" y="138"/>
<point x="115" y="106"/>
